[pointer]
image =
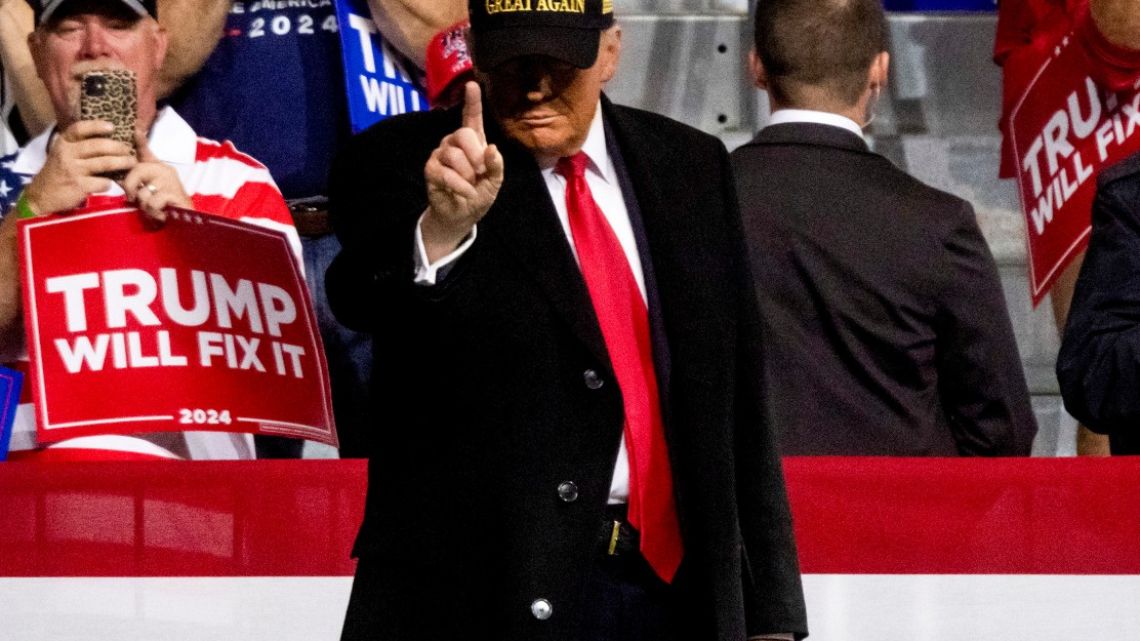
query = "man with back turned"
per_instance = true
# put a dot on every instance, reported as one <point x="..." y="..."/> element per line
<point x="889" y="331"/>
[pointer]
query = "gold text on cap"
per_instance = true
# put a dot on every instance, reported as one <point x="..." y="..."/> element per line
<point x="556" y="6"/>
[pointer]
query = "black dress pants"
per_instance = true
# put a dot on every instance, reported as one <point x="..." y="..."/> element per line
<point x="626" y="601"/>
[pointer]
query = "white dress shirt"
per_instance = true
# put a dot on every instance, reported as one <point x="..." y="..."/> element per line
<point x="784" y="116"/>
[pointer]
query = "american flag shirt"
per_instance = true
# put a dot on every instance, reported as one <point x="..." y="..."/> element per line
<point x="11" y="183"/>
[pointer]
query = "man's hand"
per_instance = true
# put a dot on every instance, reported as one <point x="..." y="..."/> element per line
<point x="76" y="157"/>
<point x="463" y="176"/>
<point x="1118" y="21"/>
<point x="153" y="185"/>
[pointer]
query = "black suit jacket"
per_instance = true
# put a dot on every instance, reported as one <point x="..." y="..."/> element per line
<point x="480" y="384"/>
<point x="886" y="328"/>
<point x="1099" y="363"/>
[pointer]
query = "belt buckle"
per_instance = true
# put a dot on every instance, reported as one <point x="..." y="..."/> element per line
<point x="612" y="550"/>
<point x="312" y="203"/>
<point x="310" y="216"/>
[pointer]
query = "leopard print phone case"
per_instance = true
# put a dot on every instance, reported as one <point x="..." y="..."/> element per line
<point x="110" y="95"/>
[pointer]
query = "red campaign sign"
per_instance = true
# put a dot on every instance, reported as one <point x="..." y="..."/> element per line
<point x="1064" y="130"/>
<point x="204" y="324"/>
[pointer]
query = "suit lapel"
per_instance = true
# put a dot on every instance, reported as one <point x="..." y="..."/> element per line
<point x="524" y="218"/>
<point x="638" y="186"/>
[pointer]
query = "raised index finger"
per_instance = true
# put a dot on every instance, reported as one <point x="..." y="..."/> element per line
<point x="473" y="110"/>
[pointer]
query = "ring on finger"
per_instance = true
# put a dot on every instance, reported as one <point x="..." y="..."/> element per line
<point x="151" y="188"/>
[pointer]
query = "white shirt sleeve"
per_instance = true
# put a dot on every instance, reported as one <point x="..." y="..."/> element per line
<point x="430" y="273"/>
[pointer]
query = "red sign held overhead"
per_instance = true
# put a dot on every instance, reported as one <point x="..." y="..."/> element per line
<point x="1065" y="130"/>
<point x="204" y="324"/>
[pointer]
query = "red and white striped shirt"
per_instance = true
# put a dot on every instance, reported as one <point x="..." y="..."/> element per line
<point x="220" y="180"/>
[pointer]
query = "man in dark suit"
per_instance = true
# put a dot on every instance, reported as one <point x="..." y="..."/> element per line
<point x="1098" y="366"/>
<point x="886" y="329"/>
<point x="571" y="442"/>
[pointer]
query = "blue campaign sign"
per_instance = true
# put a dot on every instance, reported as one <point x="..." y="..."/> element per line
<point x="377" y="81"/>
<point x="11" y="382"/>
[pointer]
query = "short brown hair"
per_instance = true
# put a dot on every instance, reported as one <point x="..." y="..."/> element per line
<point x="829" y="44"/>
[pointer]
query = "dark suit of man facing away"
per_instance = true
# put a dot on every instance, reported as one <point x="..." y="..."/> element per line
<point x="887" y="332"/>
<point x="499" y="446"/>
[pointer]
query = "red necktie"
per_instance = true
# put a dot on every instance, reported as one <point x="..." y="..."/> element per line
<point x="624" y="322"/>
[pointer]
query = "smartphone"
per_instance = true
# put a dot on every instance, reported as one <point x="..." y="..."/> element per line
<point x="110" y="94"/>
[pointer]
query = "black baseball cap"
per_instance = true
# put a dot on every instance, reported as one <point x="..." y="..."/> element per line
<point x="566" y="30"/>
<point x="45" y="9"/>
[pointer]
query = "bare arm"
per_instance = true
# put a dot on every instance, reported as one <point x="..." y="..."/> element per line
<point x="31" y="97"/>
<point x="409" y="24"/>
<point x="1118" y="20"/>
<point x="194" y="28"/>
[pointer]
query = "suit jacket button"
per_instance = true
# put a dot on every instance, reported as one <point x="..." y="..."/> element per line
<point x="541" y="609"/>
<point x="593" y="381"/>
<point x="568" y="491"/>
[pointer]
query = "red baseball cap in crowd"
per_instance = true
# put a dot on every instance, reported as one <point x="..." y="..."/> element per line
<point x="448" y="60"/>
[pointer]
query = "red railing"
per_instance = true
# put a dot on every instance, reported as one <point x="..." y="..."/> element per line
<point x="298" y="518"/>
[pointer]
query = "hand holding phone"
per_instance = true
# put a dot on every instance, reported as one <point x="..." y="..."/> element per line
<point x="79" y="159"/>
<point x="110" y="95"/>
<point x="86" y="155"/>
<point x="153" y="185"/>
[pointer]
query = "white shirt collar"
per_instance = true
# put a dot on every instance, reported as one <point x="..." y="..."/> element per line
<point x="595" y="149"/>
<point x="785" y="116"/>
<point x="171" y="139"/>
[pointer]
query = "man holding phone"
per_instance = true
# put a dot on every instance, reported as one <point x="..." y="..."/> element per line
<point x="68" y="165"/>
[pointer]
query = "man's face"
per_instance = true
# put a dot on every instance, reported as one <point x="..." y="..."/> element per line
<point x="547" y="105"/>
<point x="97" y="36"/>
